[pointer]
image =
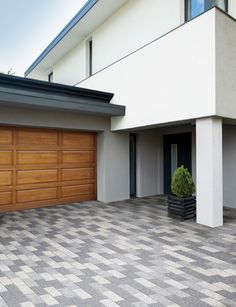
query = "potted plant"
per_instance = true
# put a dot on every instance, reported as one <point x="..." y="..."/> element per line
<point x="182" y="203"/>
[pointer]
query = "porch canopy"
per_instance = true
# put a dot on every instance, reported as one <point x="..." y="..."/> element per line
<point x="35" y="94"/>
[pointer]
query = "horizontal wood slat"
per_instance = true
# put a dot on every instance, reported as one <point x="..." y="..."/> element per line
<point x="78" y="156"/>
<point x="36" y="176"/>
<point x="37" y="137"/>
<point x="37" y="157"/>
<point x="6" y="136"/>
<point x="77" y="174"/>
<point x="6" y="157"/>
<point x="70" y="191"/>
<point x="5" y="198"/>
<point x="5" y="178"/>
<point x="36" y="195"/>
<point x="43" y="167"/>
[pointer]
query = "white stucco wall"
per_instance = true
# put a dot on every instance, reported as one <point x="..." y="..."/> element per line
<point x="72" y="67"/>
<point x="135" y="24"/>
<point x="171" y="79"/>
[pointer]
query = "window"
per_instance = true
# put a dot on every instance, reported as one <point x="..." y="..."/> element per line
<point x="50" y="77"/>
<point x="222" y="4"/>
<point x="174" y="158"/>
<point x="194" y="8"/>
<point x="89" y="57"/>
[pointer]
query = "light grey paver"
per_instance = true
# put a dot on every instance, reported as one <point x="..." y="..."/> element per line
<point x="126" y="253"/>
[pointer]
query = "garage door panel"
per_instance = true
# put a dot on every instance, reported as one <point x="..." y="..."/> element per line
<point x="37" y="137"/>
<point x="6" y="157"/>
<point x="78" y="156"/>
<point x="36" y="176"/>
<point x="77" y="190"/>
<point x="6" y="178"/>
<point x="70" y="174"/>
<point x="41" y="167"/>
<point x="83" y="141"/>
<point x="27" y="196"/>
<point x="37" y="157"/>
<point x="6" y="136"/>
<point x="5" y="198"/>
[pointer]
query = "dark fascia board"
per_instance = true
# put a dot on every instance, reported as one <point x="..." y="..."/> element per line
<point x="53" y="88"/>
<point x="84" y="10"/>
<point x="35" y="94"/>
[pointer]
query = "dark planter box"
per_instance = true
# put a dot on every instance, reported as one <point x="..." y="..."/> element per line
<point x="182" y="208"/>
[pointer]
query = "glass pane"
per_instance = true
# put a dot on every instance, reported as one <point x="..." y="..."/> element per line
<point x="209" y="4"/>
<point x="220" y="4"/>
<point x="197" y="7"/>
<point x="174" y="158"/>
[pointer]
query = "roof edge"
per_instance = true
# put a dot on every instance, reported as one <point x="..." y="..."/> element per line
<point x="56" y="88"/>
<point x="82" y="12"/>
<point x="35" y="94"/>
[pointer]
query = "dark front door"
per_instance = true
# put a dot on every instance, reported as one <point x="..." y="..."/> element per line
<point x="177" y="152"/>
<point x="132" y="165"/>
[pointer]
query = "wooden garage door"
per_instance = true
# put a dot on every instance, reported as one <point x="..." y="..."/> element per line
<point x="40" y="167"/>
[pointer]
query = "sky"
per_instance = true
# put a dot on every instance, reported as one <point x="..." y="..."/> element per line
<point x="28" y="26"/>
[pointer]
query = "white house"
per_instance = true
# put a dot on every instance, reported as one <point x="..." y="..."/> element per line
<point x="171" y="66"/>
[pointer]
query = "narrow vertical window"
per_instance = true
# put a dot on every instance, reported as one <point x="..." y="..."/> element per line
<point x="196" y="7"/>
<point x="174" y="158"/>
<point x="222" y="4"/>
<point x="89" y="57"/>
<point x="50" y="77"/>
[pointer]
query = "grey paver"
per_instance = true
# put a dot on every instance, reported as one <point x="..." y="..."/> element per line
<point x="127" y="253"/>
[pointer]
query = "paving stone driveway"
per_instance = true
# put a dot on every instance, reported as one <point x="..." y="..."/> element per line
<point x="121" y="254"/>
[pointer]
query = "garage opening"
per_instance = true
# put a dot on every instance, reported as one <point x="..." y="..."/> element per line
<point x="42" y="167"/>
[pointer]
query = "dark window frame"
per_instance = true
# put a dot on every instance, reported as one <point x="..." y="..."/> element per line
<point x="133" y="164"/>
<point x="90" y="57"/>
<point x="50" y="77"/>
<point x="187" y="9"/>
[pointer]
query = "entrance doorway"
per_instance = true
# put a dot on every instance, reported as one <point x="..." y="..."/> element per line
<point x="177" y="152"/>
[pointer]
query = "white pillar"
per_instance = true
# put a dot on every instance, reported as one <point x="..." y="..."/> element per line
<point x="209" y="172"/>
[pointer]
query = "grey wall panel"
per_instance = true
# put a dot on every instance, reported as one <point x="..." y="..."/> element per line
<point x="229" y="165"/>
<point x="113" y="147"/>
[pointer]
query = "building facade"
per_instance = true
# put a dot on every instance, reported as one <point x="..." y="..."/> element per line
<point x="172" y="65"/>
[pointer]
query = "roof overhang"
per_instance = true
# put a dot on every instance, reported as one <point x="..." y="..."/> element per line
<point x="35" y="94"/>
<point x="85" y="22"/>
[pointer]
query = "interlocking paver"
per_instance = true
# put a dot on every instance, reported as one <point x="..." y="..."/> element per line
<point x="127" y="253"/>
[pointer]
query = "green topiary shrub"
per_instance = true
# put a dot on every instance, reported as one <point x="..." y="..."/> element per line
<point x="182" y="184"/>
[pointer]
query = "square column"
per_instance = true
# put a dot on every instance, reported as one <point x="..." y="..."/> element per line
<point x="148" y="164"/>
<point x="209" y="171"/>
<point x="113" y="179"/>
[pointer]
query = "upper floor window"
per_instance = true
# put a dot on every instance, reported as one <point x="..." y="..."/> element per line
<point x="50" y="77"/>
<point x="196" y="7"/>
<point x="89" y="57"/>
